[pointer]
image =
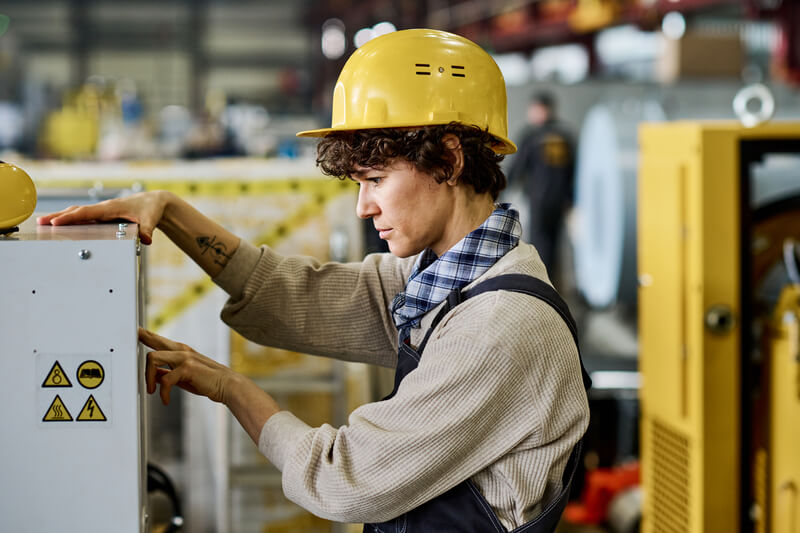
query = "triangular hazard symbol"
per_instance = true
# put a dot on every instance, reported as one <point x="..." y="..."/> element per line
<point x="91" y="411"/>
<point x="56" y="377"/>
<point x="57" y="412"/>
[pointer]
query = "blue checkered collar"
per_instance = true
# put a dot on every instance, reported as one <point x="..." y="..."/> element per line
<point x="434" y="277"/>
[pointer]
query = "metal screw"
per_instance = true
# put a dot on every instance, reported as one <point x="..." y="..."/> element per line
<point x="84" y="254"/>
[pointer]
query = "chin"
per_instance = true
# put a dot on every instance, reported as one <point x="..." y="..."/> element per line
<point x="402" y="251"/>
<point x="399" y="253"/>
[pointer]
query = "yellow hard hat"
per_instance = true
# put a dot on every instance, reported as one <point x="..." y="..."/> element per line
<point x="17" y="196"/>
<point x="420" y="78"/>
<point x="71" y="133"/>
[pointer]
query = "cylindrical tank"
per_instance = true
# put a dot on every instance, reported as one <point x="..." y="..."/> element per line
<point x="605" y="199"/>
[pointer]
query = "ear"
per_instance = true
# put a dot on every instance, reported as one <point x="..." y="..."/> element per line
<point x="456" y="155"/>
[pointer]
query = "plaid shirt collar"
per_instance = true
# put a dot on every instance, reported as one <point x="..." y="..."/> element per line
<point x="434" y="277"/>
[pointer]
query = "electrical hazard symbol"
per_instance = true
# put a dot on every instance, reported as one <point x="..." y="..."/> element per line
<point x="91" y="374"/>
<point x="57" y="412"/>
<point x="56" y="377"/>
<point x="91" y="412"/>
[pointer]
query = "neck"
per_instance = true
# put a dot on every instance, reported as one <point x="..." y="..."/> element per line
<point x="470" y="210"/>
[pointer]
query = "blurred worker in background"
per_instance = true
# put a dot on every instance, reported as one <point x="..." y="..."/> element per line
<point x="544" y="166"/>
<point x="482" y="430"/>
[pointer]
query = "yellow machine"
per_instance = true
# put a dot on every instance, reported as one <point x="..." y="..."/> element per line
<point x="719" y="308"/>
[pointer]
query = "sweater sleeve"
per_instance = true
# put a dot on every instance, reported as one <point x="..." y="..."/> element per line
<point x="297" y="303"/>
<point x="470" y="402"/>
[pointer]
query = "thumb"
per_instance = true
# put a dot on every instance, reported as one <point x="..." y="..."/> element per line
<point x="146" y="233"/>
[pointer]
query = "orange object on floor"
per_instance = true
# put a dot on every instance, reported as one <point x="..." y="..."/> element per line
<point x="602" y="484"/>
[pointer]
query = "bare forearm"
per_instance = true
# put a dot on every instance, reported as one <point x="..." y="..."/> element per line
<point x="251" y="406"/>
<point x="208" y="243"/>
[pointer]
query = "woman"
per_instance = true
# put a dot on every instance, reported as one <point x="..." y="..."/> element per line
<point x="489" y="401"/>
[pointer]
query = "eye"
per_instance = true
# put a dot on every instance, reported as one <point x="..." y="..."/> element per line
<point x="375" y="181"/>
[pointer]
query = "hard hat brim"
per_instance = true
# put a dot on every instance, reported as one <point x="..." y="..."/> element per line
<point x="503" y="146"/>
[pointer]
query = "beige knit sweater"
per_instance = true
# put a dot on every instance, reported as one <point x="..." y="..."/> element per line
<point x="497" y="396"/>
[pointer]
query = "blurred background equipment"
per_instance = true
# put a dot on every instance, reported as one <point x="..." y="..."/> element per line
<point x="607" y="168"/>
<point x="159" y="482"/>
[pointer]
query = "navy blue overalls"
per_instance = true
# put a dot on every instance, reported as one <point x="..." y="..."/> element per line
<point x="463" y="508"/>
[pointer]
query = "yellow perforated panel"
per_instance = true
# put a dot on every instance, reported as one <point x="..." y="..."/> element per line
<point x="670" y="469"/>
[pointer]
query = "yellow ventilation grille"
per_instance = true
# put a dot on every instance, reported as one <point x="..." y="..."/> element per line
<point x="669" y="504"/>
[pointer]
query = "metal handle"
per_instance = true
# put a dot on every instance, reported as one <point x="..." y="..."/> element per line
<point x="720" y="319"/>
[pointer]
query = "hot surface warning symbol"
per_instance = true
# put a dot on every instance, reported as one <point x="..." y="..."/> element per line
<point x="57" y="412"/>
<point x="56" y="377"/>
<point x="91" y="411"/>
<point x="91" y="374"/>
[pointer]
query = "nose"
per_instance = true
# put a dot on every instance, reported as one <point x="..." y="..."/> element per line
<point x="366" y="206"/>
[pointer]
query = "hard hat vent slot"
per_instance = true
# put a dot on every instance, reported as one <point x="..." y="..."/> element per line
<point x="422" y="72"/>
<point x="458" y="74"/>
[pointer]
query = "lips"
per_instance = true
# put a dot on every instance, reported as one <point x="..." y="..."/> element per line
<point x="383" y="232"/>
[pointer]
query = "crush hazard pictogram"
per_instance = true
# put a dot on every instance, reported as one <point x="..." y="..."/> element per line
<point x="56" y="377"/>
<point x="91" y="412"/>
<point x="57" y="412"/>
<point x="90" y="374"/>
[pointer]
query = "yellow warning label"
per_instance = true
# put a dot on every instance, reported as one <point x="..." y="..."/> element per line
<point x="56" y="377"/>
<point x="91" y="412"/>
<point x="57" y="412"/>
<point x="91" y="374"/>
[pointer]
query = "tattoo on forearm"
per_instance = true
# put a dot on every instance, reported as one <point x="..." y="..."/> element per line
<point x="218" y="249"/>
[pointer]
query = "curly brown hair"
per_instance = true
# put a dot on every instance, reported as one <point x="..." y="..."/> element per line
<point x="340" y="153"/>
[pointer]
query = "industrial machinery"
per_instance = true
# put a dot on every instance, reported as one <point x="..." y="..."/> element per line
<point x="71" y="380"/>
<point x="719" y="315"/>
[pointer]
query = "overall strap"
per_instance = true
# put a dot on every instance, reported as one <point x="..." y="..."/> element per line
<point x="517" y="283"/>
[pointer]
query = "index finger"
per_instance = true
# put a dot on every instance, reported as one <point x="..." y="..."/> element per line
<point x="85" y="213"/>
<point x="157" y="342"/>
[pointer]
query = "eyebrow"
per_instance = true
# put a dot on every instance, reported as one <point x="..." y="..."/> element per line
<point x="365" y="173"/>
